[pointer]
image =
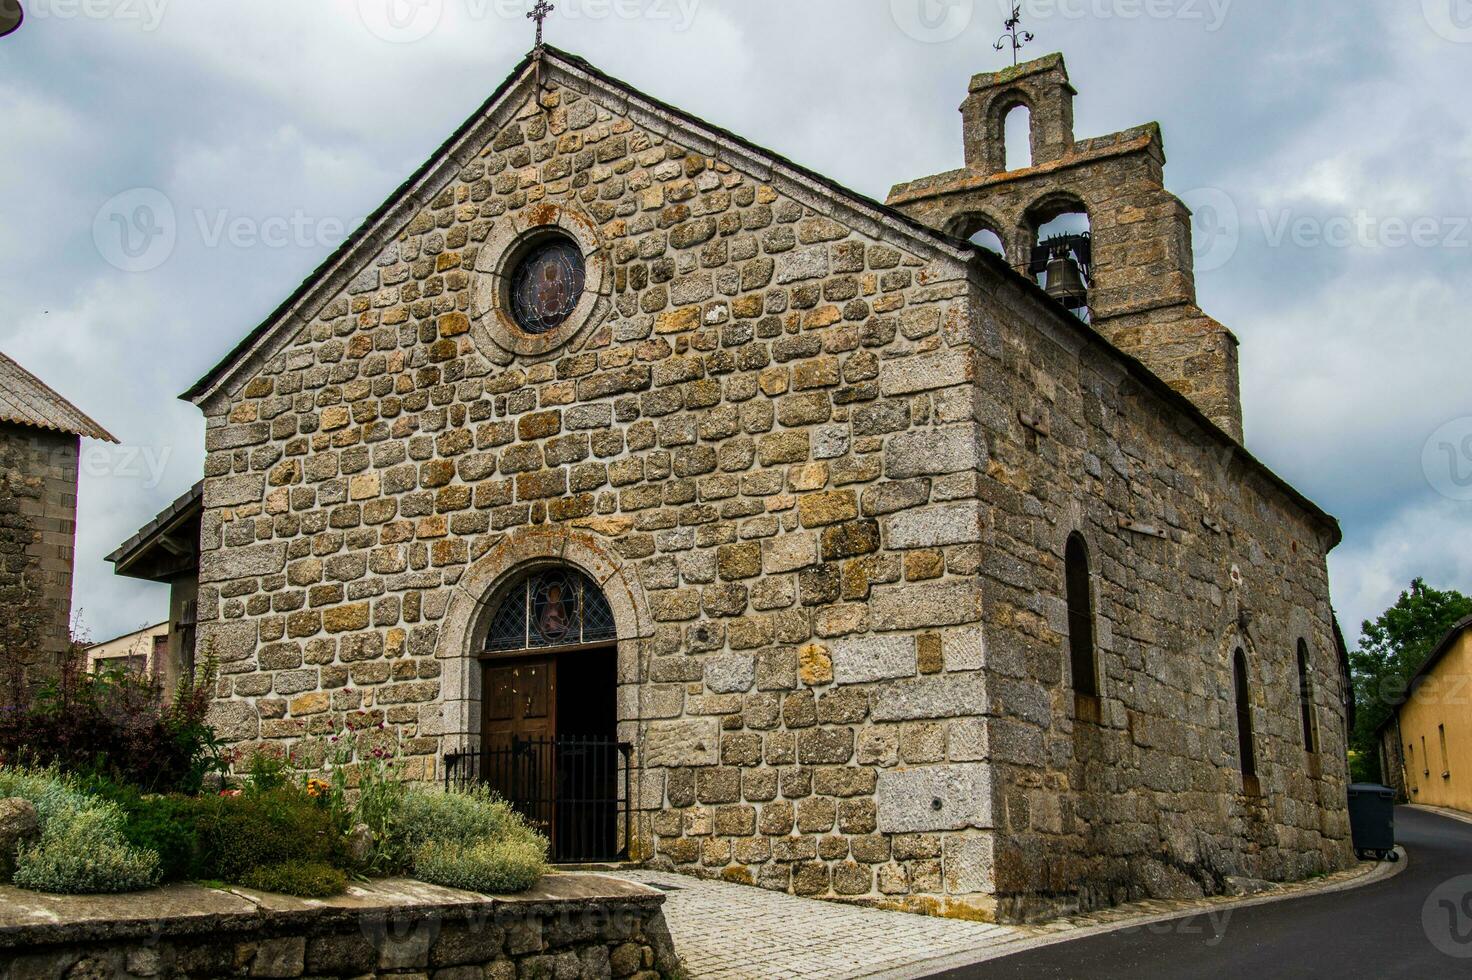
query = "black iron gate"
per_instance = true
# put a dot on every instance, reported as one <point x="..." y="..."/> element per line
<point x="573" y="788"/>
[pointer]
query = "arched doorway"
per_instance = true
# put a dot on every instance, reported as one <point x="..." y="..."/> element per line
<point x="547" y="648"/>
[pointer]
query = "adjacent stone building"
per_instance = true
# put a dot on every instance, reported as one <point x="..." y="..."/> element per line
<point x="166" y="550"/>
<point x="887" y="578"/>
<point x="40" y="439"/>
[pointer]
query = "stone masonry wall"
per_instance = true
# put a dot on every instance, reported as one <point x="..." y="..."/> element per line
<point x="770" y="443"/>
<point x="824" y="470"/>
<point x="38" y="509"/>
<point x="1147" y="800"/>
<point x="578" y="927"/>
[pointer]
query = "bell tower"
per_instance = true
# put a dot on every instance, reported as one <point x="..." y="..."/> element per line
<point x="1130" y="271"/>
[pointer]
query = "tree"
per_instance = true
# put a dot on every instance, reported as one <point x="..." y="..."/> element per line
<point x="1391" y="650"/>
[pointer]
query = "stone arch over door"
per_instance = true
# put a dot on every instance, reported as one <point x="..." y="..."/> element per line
<point x="484" y="582"/>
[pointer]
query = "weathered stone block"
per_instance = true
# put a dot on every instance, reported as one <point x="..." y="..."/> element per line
<point x="935" y="798"/>
<point x="862" y="659"/>
<point x="910" y="607"/>
<point x="688" y="742"/>
<point x="935" y="526"/>
<point x="929" y="452"/>
<point x="732" y="674"/>
<point x="932" y="696"/>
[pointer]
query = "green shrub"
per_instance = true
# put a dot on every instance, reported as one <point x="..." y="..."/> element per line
<point x="467" y="839"/>
<point x="166" y="826"/>
<point x="268" y="772"/>
<point x="82" y="848"/>
<point x="86" y="855"/>
<point x="462" y="816"/>
<point x="304" y="879"/>
<point x="237" y="834"/>
<point x="496" y="867"/>
<point x="118" y="723"/>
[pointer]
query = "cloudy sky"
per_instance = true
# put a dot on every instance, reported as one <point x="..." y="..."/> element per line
<point x="171" y="169"/>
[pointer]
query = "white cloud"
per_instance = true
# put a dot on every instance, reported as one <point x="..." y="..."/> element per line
<point x="1431" y="539"/>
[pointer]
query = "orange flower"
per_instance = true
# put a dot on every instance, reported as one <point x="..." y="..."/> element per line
<point x="318" y="787"/>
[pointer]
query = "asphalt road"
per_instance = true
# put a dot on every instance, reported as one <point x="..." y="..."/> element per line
<point x="1417" y="924"/>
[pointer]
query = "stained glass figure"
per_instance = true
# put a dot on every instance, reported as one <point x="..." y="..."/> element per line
<point x="547" y="285"/>
<point x="556" y="608"/>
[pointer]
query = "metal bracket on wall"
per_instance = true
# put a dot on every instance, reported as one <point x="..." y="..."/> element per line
<point x="1148" y="530"/>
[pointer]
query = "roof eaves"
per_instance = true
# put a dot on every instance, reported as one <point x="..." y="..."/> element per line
<point x="171" y="516"/>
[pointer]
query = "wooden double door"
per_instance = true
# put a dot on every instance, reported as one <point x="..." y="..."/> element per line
<point x="564" y="779"/>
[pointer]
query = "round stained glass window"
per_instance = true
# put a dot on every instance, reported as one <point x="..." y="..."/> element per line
<point x="547" y="285"/>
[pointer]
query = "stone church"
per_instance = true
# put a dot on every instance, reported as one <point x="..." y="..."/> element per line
<point x="729" y="521"/>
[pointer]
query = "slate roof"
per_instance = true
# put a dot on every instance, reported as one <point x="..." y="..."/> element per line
<point x="186" y="506"/>
<point x="27" y="400"/>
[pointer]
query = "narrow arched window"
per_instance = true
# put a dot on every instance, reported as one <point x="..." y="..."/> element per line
<point x="1017" y="138"/>
<point x="1306" y="699"/>
<point x="1246" y="754"/>
<point x="1080" y="617"/>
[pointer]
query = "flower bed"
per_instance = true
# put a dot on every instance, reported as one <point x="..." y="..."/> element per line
<point x="272" y="833"/>
<point x="119" y="788"/>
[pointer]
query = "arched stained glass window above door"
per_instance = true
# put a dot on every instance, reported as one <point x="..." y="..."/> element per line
<point x="551" y="608"/>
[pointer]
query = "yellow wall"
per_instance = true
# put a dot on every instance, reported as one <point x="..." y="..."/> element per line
<point x="1443" y="699"/>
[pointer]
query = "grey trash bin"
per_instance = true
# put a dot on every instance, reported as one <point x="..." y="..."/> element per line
<point x="1372" y="820"/>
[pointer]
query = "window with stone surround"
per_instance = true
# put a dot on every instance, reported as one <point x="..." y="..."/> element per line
<point x="547" y="283"/>
<point x="1017" y="138"/>
<point x="552" y="608"/>
<point x="1306" y="699"/>
<point x="1077" y="583"/>
<point x="1246" y="752"/>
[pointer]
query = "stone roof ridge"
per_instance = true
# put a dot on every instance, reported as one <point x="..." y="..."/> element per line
<point x="27" y="400"/>
<point x="1011" y="73"/>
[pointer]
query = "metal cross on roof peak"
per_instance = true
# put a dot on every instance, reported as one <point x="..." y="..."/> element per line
<point x="539" y="14"/>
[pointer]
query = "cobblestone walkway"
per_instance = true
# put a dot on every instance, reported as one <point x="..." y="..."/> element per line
<point x="737" y="932"/>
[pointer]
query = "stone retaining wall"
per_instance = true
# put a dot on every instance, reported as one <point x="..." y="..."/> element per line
<point x="582" y="926"/>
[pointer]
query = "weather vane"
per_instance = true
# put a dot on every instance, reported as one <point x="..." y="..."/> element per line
<point x="539" y="14"/>
<point x="1017" y="38"/>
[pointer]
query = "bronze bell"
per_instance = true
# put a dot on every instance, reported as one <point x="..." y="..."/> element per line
<point x="1066" y="282"/>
